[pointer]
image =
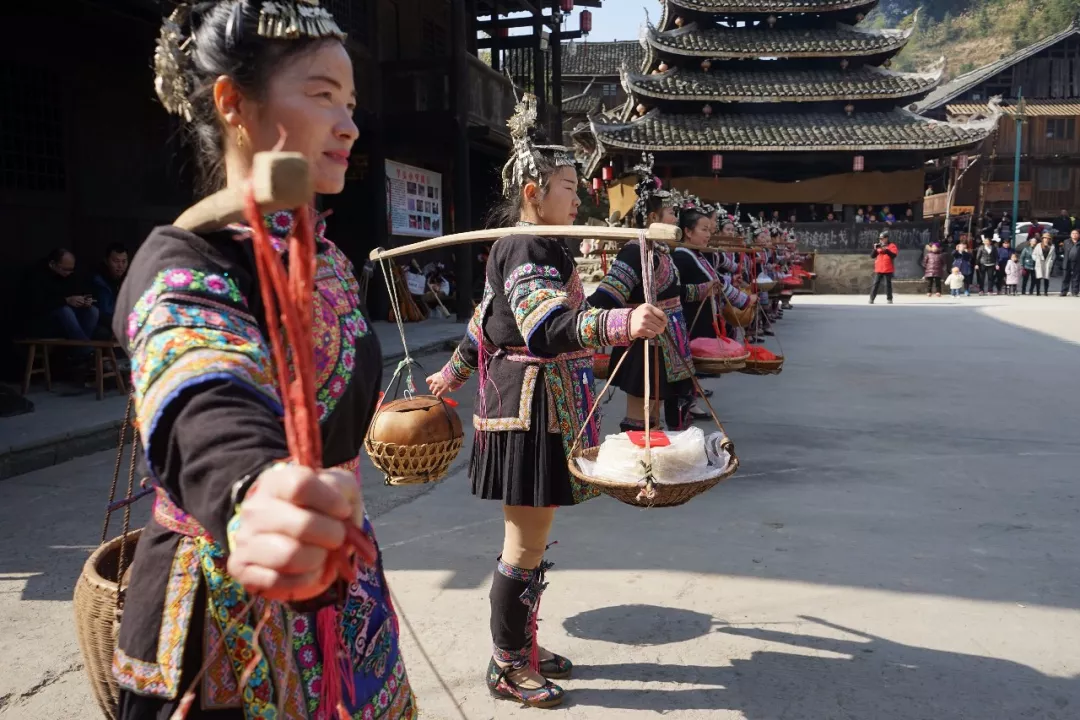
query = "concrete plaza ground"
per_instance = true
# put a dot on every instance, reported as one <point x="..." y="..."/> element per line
<point x="899" y="544"/>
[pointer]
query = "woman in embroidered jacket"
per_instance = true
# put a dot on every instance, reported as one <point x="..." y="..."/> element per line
<point x="230" y="518"/>
<point x="622" y="287"/>
<point x="532" y="339"/>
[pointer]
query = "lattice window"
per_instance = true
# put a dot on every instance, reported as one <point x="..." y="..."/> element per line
<point x="31" y="130"/>
<point x="1053" y="179"/>
<point x="1061" y="128"/>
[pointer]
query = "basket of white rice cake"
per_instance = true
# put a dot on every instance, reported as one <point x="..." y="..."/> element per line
<point x="671" y="469"/>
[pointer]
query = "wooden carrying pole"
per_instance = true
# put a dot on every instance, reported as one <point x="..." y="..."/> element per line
<point x="281" y="181"/>
<point x="667" y="234"/>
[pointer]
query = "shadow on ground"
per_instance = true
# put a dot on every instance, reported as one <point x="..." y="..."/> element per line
<point x="818" y="677"/>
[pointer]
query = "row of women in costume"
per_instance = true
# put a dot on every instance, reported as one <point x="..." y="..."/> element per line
<point x="237" y="551"/>
<point x="234" y="608"/>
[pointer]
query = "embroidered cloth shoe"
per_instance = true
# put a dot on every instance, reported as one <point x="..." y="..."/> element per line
<point x="502" y="687"/>
<point x="556" y="668"/>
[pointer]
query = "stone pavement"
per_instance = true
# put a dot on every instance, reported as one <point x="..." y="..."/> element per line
<point x="899" y="544"/>
<point x="70" y="422"/>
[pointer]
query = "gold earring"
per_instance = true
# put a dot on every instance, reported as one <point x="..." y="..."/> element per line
<point x="240" y="137"/>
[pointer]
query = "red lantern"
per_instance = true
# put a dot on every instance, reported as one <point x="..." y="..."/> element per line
<point x="566" y="5"/>
<point x="860" y="163"/>
<point x="597" y="185"/>
<point x="586" y="22"/>
<point x="608" y="172"/>
<point x="502" y="32"/>
<point x="717" y="163"/>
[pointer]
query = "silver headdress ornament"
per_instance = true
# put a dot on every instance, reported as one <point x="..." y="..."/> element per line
<point x="170" y="58"/>
<point x="278" y="20"/>
<point x="296" y="19"/>
<point x="522" y="167"/>
<point x="648" y="187"/>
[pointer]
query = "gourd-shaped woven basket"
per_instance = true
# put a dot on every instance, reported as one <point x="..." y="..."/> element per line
<point x="414" y="440"/>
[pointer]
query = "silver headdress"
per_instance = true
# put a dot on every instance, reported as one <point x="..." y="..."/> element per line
<point x="648" y="187"/>
<point x="278" y="19"/>
<point x="522" y="165"/>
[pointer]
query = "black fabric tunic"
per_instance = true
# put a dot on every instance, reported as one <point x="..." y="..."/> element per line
<point x="532" y="338"/>
<point x="209" y="416"/>
<point x="622" y="287"/>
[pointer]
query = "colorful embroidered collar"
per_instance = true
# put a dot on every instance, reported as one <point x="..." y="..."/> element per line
<point x="280" y="225"/>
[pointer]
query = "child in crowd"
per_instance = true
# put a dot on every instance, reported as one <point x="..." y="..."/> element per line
<point x="962" y="260"/>
<point x="1012" y="274"/>
<point x="933" y="263"/>
<point x="955" y="282"/>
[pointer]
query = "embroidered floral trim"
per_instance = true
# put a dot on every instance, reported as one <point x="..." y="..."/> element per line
<point x="523" y="421"/>
<point x="602" y="328"/>
<point x="529" y="270"/>
<point x="457" y="371"/>
<point x="198" y="366"/>
<point x="534" y="292"/>
<point x="617" y="327"/>
<point x="169" y="515"/>
<point x="697" y="292"/>
<point x="514" y="573"/>
<point x="216" y="285"/>
<point x="139" y="676"/>
<point x="516" y="659"/>
<point x="162" y="678"/>
<point x="620" y="282"/>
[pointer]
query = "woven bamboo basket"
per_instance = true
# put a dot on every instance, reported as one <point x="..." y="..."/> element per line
<point x="719" y="366"/>
<point x="601" y="365"/>
<point x="764" y="367"/>
<point x="666" y="494"/>
<point x="413" y="464"/>
<point x="97" y="616"/>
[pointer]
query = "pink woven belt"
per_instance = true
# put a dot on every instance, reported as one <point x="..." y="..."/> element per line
<point x="522" y="355"/>
<point x="169" y="515"/>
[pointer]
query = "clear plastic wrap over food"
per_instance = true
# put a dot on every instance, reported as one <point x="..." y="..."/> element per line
<point x="689" y="457"/>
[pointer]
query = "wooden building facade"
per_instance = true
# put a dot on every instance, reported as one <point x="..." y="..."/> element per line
<point x="778" y="102"/>
<point x="88" y="157"/>
<point x="1046" y="75"/>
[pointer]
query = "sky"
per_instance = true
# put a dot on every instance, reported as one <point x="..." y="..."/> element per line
<point x="618" y="19"/>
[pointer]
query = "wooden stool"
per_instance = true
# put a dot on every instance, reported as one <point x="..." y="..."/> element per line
<point x="103" y="350"/>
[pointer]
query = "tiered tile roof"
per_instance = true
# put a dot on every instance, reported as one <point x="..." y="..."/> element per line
<point x="766" y="85"/>
<point x="787" y="132"/>
<point x="721" y="42"/>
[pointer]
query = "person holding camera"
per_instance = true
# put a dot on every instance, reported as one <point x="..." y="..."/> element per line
<point x="884" y="253"/>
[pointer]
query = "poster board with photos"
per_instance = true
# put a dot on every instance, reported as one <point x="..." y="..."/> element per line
<point x="413" y="201"/>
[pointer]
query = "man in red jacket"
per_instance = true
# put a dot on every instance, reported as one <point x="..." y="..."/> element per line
<point x="884" y="252"/>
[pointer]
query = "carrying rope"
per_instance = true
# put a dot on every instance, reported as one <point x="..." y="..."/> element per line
<point x="407" y="362"/>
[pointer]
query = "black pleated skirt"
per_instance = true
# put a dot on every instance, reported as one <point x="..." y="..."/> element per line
<point x="522" y="467"/>
<point x="631" y="377"/>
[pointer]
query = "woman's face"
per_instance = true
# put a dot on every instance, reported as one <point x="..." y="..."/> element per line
<point x="558" y="205"/>
<point x="666" y="216"/>
<point x="699" y="234"/>
<point x="310" y="103"/>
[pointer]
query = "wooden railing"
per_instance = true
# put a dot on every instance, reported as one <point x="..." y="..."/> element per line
<point x="491" y="97"/>
<point x="935" y="205"/>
